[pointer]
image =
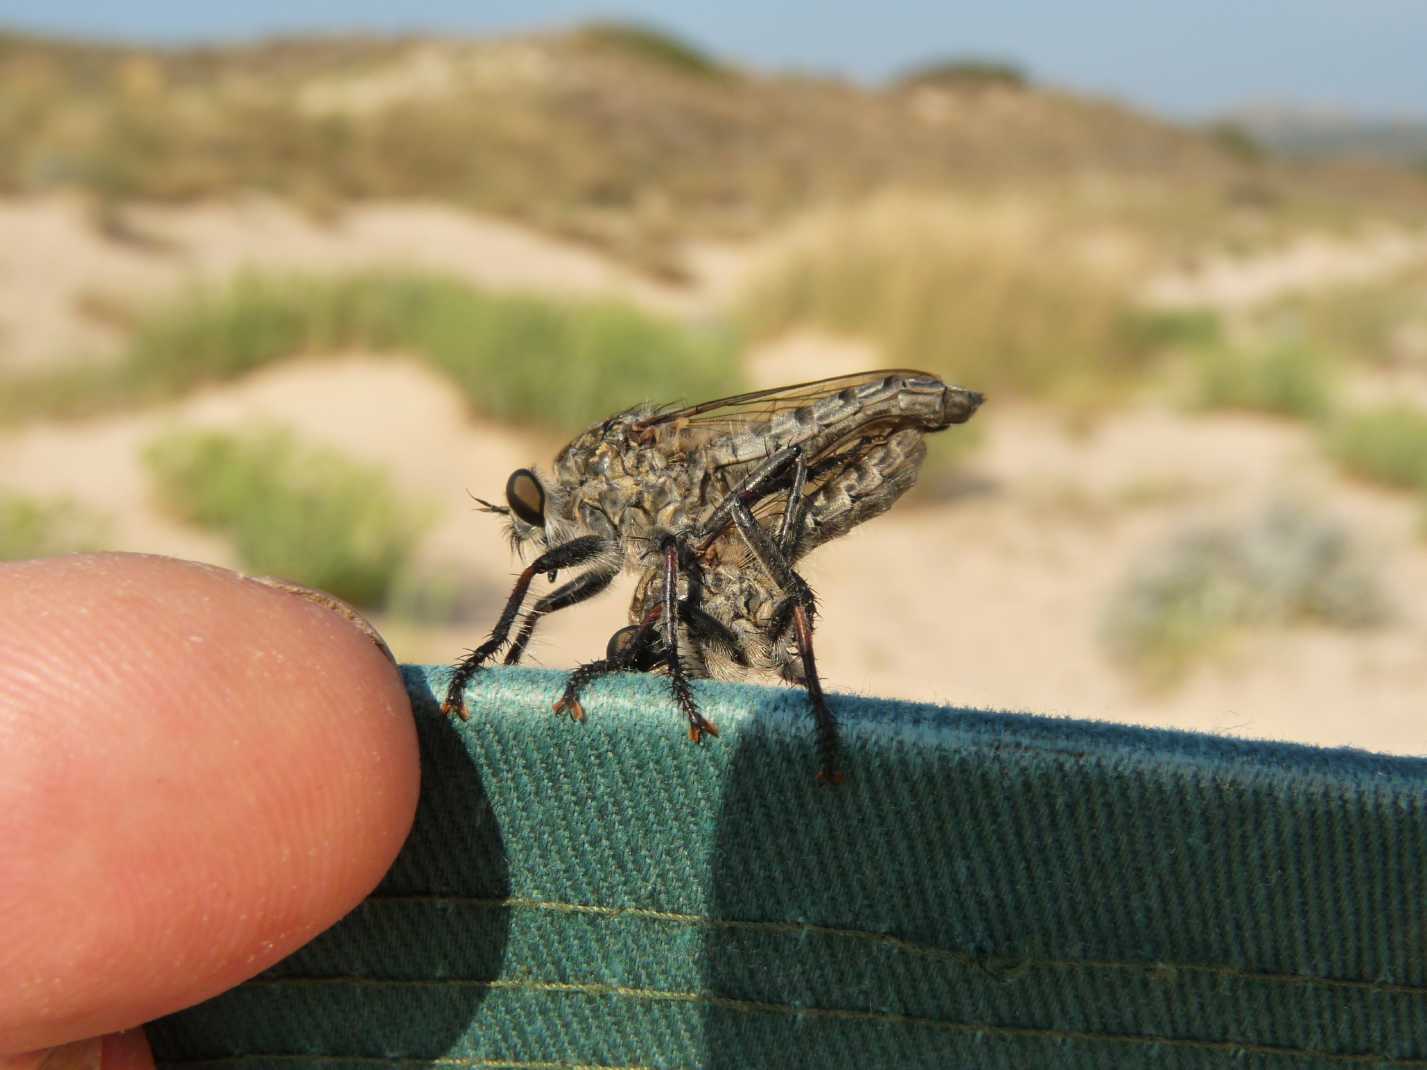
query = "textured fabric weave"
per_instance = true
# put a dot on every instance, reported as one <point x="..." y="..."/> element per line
<point x="986" y="890"/>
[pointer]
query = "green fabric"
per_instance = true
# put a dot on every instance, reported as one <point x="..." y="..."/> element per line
<point x="986" y="890"/>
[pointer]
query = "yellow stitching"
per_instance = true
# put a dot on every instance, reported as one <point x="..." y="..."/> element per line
<point x="963" y="958"/>
<point x="749" y="1006"/>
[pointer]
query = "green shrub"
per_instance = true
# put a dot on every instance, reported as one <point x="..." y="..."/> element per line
<point x="652" y="45"/>
<point x="1286" y="380"/>
<point x="78" y="389"/>
<point x="1190" y="595"/>
<point x="1236" y="140"/>
<point x="41" y="527"/>
<point x="965" y="72"/>
<point x="1386" y="445"/>
<point x="563" y="364"/>
<point x="1174" y="328"/>
<point x="304" y="513"/>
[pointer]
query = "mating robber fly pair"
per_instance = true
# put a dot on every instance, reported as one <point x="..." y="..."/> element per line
<point x="713" y="505"/>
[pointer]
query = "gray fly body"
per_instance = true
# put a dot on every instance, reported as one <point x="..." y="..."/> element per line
<point x="713" y="505"/>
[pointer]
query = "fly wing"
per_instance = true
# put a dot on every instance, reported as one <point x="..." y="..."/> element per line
<point x="689" y="429"/>
<point x="832" y="420"/>
<point x="730" y="436"/>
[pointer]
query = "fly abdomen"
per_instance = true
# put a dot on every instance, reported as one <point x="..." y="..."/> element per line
<point x="866" y="487"/>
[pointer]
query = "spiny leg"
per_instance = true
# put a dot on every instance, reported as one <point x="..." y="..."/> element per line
<point x="797" y="609"/>
<point x="771" y="558"/>
<point x="793" y="513"/>
<point x="631" y="653"/>
<point x="577" y="681"/>
<point x="828" y="746"/>
<point x="582" y="587"/>
<point x="774" y="555"/>
<point x="752" y="487"/>
<point x="631" y="650"/>
<point x="678" y="679"/>
<point x="566" y="555"/>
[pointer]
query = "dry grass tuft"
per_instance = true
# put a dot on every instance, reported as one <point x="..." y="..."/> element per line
<point x="1002" y="293"/>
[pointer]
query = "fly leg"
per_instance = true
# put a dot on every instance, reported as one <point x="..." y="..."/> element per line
<point x="794" y="512"/>
<point x="797" y="609"/>
<point x="735" y="506"/>
<point x="632" y="649"/>
<point x="566" y="555"/>
<point x="828" y="771"/>
<point x="629" y="648"/>
<point x="678" y="678"/>
<point x="582" y="587"/>
<point x="752" y="487"/>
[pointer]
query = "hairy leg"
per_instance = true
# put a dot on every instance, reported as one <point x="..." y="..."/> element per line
<point x="566" y="555"/>
<point x="678" y="678"/>
<point x="629" y="648"/>
<point x="796" y="610"/>
<point x="581" y="588"/>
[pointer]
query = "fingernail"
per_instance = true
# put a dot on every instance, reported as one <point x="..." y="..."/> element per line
<point x="80" y="1055"/>
<point x="332" y="602"/>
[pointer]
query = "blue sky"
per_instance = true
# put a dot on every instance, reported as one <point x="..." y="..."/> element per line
<point x="1185" y="58"/>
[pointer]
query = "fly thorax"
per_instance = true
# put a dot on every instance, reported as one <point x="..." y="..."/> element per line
<point x="563" y="520"/>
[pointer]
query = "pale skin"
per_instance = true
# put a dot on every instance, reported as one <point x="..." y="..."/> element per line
<point x="198" y="773"/>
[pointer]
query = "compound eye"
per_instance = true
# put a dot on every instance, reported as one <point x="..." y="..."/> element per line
<point x="619" y="641"/>
<point x="526" y="497"/>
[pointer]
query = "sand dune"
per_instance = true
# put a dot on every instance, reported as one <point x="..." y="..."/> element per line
<point x="52" y="258"/>
<point x="986" y="591"/>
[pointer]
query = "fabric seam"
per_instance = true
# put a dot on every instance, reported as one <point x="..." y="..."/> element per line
<point x="991" y="964"/>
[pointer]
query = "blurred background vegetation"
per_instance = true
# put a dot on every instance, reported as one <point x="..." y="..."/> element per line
<point x="225" y="259"/>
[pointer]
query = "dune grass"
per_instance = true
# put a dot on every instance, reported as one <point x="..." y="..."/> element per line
<point x="304" y="513"/>
<point x="1377" y="323"/>
<point x="1190" y="596"/>
<point x="535" y="360"/>
<point x="1000" y="294"/>
<point x="1285" y="379"/>
<point x="1386" y="445"/>
<point x="32" y="526"/>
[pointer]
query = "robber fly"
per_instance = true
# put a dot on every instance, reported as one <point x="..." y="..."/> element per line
<point x="713" y="505"/>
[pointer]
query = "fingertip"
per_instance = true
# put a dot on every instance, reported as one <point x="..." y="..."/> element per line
<point x="126" y="1051"/>
<point x="202" y="772"/>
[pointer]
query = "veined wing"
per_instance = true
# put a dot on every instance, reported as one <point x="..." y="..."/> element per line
<point x="831" y="420"/>
<point x="697" y="424"/>
<point x="731" y="436"/>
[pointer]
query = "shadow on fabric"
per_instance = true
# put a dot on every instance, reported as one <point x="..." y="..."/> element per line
<point x="1002" y="891"/>
<point x="402" y="976"/>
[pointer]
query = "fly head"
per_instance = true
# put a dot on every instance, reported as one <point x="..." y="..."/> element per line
<point x="525" y="509"/>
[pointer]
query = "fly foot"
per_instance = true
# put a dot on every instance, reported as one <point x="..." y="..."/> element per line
<point x="699" y="727"/>
<point x="571" y="705"/>
<point x="465" y="671"/>
<point x="455" y="702"/>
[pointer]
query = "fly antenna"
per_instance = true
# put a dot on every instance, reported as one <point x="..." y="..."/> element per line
<point x="487" y="507"/>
